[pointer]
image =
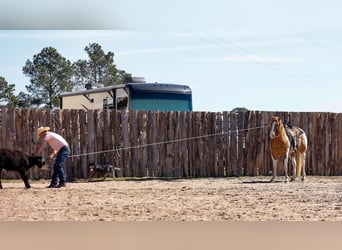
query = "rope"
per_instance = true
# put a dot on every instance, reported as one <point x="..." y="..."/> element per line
<point x="167" y="142"/>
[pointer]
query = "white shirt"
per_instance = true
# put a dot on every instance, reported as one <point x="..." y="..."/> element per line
<point x="55" y="140"/>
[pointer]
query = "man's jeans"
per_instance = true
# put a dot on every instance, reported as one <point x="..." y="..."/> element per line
<point x="58" y="169"/>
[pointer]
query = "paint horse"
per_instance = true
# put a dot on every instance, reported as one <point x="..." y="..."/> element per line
<point x="288" y="142"/>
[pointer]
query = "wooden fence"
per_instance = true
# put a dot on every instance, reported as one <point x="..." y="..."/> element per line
<point x="172" y="144"/>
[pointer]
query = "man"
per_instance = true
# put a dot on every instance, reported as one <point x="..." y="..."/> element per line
<point x="60" y="149"/>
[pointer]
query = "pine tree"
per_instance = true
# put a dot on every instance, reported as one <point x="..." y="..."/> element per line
<point x="50" y="74"/>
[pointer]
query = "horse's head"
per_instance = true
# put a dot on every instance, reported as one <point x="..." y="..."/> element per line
<point x="275" y="125"/>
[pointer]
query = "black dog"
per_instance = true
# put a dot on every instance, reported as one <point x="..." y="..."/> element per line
<point x="16" y="160"/>
<point x="101" y="170"/>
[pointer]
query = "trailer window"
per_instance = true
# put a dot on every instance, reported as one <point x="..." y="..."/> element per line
<point x="161" y="102"/>
<point x="122" y="103"/>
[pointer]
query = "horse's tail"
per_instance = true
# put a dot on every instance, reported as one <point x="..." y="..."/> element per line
<point x="299" y="160"/>
<point x="300" y="154"/>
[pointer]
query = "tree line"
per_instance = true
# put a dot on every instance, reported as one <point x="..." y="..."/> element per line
<point x="51" y="74"/>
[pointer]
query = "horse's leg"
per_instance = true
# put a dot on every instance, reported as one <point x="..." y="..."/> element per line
<point x="303" y="166"/>
<point x="294" y="168"/>
<point x="274" y="172"/>
<point x="299" y="163"/>
<point x="286" y="159"/>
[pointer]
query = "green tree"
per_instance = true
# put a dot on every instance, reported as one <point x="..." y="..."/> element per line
<point x="7" y="97"/>
<point x="99" y="69"/>
<point x="239" y="109"/>
<point x="101" y="66"/>
<point x="80" y="75"/>
<point x="50" y="74"/>
<point x="24" y="100"/>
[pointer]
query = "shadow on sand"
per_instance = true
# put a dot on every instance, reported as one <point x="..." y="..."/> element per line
<point x="261" y="181"/>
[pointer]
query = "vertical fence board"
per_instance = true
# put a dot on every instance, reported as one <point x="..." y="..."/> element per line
<point x="75" y="144"/>
<point x="98" y="132"/>
<point x="115" y="126"/>
<point x="206" y="143"/>
<point x="177" y="144"/>
<point x="162" y="137"/>
<point x="226" y="141"/>
<point x="267" y="164"/>
<point x="91" y="136"/>
<point x="320" y="147"/>
<point x="327" y="129"/>
<point x="211" y="145"/>
<point x="189" y="143"/>
<point x="4" y="128"/>
<point x="152" y="139"/>
<point x="134" y="143"/>
<point x="67" y="134"/>
<point x="234" y="145"/>
<point x="108" y="146"/>
<point x="339" y="146"/>
<point x="220" y="146"/>
<point x="83" y="121"/>
<point x="198" y="153"/>
<point x="304" y="123"/>
<point x="169" y="153"/>
<point x="143" y="120"/>
<point x="251" y="145"/>
<point x="20" y="131"/>
<point x="229" y="160"/>
<point x="11" y="128"/>
<point x="261" y="135"/>
<point x="333" y="143"/>
<point x="183" y="147"/>
<point x="125" y="143"/>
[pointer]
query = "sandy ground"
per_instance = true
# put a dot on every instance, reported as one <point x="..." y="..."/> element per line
<point x="207" y="199"/>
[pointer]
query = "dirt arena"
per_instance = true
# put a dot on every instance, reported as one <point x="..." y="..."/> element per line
<point x="205" y="199"/>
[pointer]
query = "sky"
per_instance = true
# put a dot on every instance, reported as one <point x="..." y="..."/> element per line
<point x="262" y="55"/>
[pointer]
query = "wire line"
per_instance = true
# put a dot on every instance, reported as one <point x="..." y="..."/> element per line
<point x="170" y="141"/>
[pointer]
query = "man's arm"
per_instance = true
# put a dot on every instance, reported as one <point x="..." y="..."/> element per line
<point x="40" y="149"/>
<point x="52" y="154"/>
